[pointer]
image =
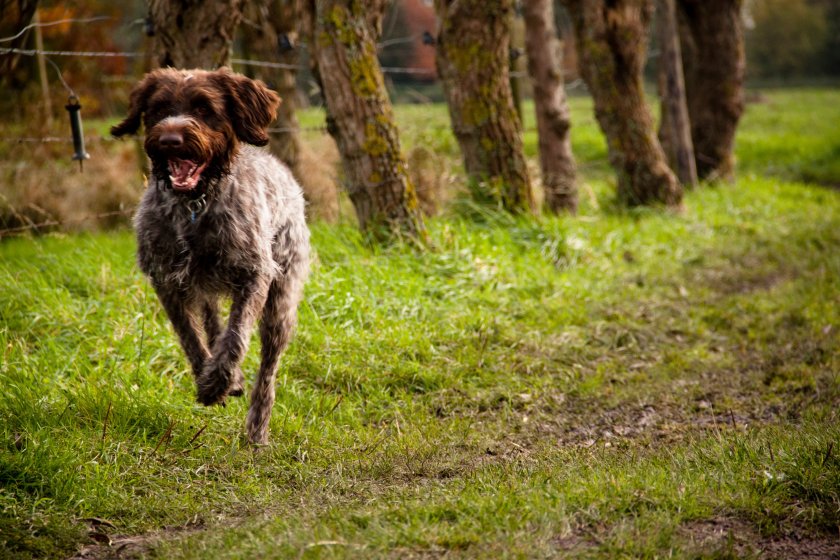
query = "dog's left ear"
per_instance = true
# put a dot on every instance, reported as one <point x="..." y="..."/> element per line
<point x="252" y="104"/>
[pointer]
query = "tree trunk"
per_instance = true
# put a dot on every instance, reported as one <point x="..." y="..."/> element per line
<point x="14" y="16"/>
<point x="611" y="40"/>
<point x="712" y="36"/>
<point x="674" y="127"/>
<point x="553" y="123"/>
<point x="273" y="31"/>
<point x="270" y="34"/>
<point x="195" y="34"/>
<point x="472" y="62"/>
<point x="360" y="117"/>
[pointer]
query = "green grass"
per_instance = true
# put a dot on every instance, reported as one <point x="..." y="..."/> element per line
<point x="621" y="384"/>
<point x="794" y="135"/>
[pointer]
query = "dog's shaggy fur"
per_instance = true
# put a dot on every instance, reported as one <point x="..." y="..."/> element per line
<point x="220" y="217"/>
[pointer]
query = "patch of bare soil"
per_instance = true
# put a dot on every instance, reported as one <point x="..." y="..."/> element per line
<point x="722" y="537"/>
<point x="663" y="416"/>
<point x="745" y="274"/>
<point x="106" y="546"/>
<point x="738" y="539"/>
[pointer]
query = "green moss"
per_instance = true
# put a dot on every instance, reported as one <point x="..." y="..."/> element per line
<point x="358" y="8"/>
<point x="476" y="111"/>
<point x="324" y="39"/>
<point x="464" y="57"/>
<point x="364" y="76"/>
<point x="411" y="200"/>
<point x="337" y="17"/>
<point x="375" y="143"/>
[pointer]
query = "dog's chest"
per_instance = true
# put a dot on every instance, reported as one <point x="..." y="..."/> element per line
<point x="219" y="249"/>
<point x="213" y="251"/>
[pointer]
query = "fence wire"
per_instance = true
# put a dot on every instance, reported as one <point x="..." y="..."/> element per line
<point x="55" y="223"/>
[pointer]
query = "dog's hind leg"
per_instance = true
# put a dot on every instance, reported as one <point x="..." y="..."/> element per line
<point x="221" y="372"/>
<point x="276" y="330"/>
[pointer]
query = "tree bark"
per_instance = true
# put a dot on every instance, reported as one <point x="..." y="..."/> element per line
<point x="273" y="30"/>
<point x="473" y="63"/>
<point x="192" y="34"/>
<point x="360" y="117"/>
<point x="611" y="40"/>
<point x="14" y="16"/>
<point x="674" y="126"/>
<point x="712" y="36"/>
<point x="553" y="122"/>
<point x="271" y="35"/>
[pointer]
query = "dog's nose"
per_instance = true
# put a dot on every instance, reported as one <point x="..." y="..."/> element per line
<point x="171" y="140"/>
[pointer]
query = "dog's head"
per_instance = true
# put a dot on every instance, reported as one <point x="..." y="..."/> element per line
<point x="194" y="120"/>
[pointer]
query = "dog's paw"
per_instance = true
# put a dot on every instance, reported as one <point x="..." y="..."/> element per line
<point x="210" y="395"/>
<point x="219" y="380"/>
<point x="213" y="383"/>
<point x="237" y="384"/>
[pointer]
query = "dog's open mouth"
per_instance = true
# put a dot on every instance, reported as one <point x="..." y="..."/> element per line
<point x="184" y="173"/>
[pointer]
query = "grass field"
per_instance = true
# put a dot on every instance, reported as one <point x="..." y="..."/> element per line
<point x="619" y="384"/>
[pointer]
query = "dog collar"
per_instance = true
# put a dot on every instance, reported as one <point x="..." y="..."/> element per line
<point x="197" y="206"/>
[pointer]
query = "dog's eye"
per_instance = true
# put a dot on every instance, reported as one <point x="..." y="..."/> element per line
<point x="202" y="109"/>
<point x="157" y="112"/>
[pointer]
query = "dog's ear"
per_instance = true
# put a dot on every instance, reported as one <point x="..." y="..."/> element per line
<point x="137" y="105"/>
<point x="252" y="105"/>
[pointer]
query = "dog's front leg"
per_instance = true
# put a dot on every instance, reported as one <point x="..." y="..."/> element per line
<point x="221" y="372"/>
<point x="179" y="308"/>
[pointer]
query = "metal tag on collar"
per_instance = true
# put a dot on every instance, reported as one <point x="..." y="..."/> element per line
<point x="196" y="206"/>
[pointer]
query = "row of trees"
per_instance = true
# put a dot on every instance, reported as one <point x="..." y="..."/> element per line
<point x="702" y="71"/>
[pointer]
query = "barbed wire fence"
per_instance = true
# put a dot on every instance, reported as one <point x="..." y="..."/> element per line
<point x="239" y="61"/>
<point x="27" y="225"/>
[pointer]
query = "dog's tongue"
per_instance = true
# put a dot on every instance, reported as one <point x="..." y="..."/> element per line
<point x="184" y="173"/>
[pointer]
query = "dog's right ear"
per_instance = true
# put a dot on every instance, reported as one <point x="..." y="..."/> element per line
<point x="136" y="105"/>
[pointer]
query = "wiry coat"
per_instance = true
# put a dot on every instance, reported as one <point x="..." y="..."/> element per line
<point x="240" y="233"/>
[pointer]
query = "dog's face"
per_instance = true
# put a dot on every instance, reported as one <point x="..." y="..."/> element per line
<point x="194" y="120"/>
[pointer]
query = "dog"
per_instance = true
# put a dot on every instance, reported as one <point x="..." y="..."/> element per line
<point x="220" y="217"/>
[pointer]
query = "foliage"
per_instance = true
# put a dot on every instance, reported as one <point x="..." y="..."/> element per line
<point x="93" y="25"/>
<point x="787" y="39"/>
<point x="622" y="384"/>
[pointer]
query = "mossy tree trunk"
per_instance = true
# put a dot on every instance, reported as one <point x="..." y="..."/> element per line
<point x="360" y="117"/>
<point x="712" y="40"/>
<point x="473" y="63"/>
<point x="195" y="34"/>
<point x="674" y="126"/>
<point x="270" y="34"/>
<point x="611" y="40"/>
<point x="553" y="122"/>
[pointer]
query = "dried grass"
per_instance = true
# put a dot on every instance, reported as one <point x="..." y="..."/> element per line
<point x="430" y="176"/>
<point x="317" y="174"/>
<point x="42" y="189"/>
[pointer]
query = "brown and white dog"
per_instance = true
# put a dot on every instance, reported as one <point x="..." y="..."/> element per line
<point x="220" y="217"/>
